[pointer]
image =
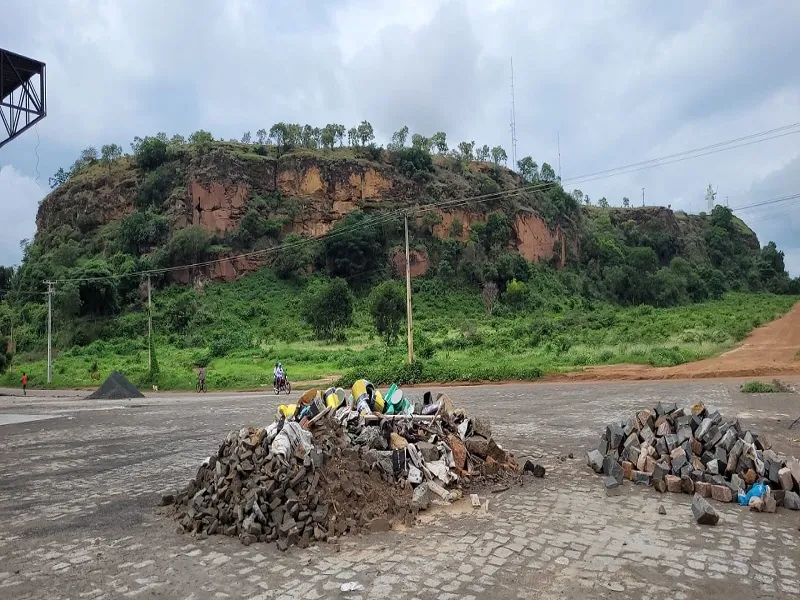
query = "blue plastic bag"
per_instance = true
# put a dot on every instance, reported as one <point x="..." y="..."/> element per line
<point x="757" y="491"/>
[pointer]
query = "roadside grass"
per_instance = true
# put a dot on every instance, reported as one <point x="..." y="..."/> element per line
<point x="239" y="330"/>
<point x="757" y="387"/>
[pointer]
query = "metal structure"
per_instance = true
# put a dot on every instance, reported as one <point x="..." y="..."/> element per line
<point x="23" y="94"/>
<point x="513" y="122"/>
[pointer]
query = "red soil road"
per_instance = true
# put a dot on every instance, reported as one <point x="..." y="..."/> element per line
<point x="770" y="350"/>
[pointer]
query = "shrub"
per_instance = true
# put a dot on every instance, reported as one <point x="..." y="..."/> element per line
<point x="757" y="387"/>
<point x="189" y="245"/>
<point x="387" y="307"/>
<point x="151" y="153"/>
<point x="155" y="188"/>
<point x="328" y="308"/>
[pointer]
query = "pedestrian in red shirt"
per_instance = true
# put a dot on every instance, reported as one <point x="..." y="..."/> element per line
<point x="24" y="383"/>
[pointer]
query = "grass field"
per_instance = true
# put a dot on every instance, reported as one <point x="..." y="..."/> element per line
<point x="240" y="329"/>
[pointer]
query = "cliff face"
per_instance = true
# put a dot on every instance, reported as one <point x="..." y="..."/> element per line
<point x="311" y="192"/>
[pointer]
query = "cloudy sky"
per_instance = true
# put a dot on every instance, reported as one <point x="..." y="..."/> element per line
<point x="617" y="81"/>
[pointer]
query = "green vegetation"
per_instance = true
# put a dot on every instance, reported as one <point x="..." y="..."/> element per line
<point x="238" y="330"/>
<point x="640" y="285"/>
<point x="757" y="387"/>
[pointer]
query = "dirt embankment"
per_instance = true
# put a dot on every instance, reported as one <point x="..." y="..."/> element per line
<point x="770" y="350"/>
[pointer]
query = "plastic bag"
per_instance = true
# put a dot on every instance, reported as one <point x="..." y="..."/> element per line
<point x="757" y="491"/>
<point x="291" y="437"/>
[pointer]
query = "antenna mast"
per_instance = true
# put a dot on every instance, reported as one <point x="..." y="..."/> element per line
<point x="513" y="122"/>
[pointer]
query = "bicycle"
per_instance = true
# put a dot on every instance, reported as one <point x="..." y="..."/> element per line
<point x="201" y="386"/>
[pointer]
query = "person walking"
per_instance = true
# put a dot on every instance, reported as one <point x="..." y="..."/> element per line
<point x="24" y="383"/>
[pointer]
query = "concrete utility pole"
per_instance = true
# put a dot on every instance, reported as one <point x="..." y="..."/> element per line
<point x="49" y="331"/>
<point x="149" y="326"/>
<point x="408" y="302"/>
<point x="642" y="196"/>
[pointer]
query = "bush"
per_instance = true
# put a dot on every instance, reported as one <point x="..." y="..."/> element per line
<point x="414" y="163"/>
<point x="328" y="308"/>
<point x="757" y="387"/>
<point x="516" y="294"/>
<point x="155" y="188"/>
<point x="142" y="230"/>
<point x="387" y="307"/>
<point x="188" y="245"/>
<point x="151" y="153"/>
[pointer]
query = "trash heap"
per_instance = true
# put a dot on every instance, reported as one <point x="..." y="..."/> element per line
<point x="695" y="451"/>
<point x="327" y="467"/>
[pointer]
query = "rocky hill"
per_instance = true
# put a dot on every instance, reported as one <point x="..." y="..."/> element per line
<point x="304" y="193"/>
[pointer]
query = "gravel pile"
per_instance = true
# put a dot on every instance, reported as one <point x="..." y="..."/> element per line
<point x="696" y="451"/>
<point x="116" y="387"/>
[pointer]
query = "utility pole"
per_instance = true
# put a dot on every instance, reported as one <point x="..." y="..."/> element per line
<point x="149" y="326"/>
<point x="49" y="331"/>
<point x="408" y="302"/>
<point x="642" y="196"/>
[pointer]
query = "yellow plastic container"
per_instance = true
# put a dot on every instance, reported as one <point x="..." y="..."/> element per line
<point x="331" y="398"/>
<point x="286" y="410"/>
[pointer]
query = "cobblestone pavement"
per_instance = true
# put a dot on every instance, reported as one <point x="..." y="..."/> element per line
<point x="79" y="484"/>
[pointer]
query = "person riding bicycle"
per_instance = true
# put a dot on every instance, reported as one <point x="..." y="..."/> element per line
<point x="201" y="378"/>
<point x="278" y="374"/>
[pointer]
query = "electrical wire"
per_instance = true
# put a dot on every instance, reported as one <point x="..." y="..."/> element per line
<point x="505" y="194"/>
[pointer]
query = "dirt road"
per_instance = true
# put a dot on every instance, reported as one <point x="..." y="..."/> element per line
<point x="770" y="351"/>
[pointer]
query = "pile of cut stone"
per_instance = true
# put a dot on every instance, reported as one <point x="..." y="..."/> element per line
<point x="695" y="451"/>
<point x="296" y="482"/>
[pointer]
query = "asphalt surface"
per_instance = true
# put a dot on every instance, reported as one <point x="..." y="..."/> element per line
<point x="79" y="481"/>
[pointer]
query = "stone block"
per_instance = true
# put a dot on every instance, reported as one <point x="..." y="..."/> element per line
<point x="712" y="467"/>
<point x="660" y="485"/>
<point x="593" y="459"/>
<point x="715" y="417"/>
<point x="779" y="496"/>
<point x="664" y="429"/>
<point x="422" y="497"/>
<point x="615" y="471"/>
<point x="703" y="512"/>
<point x="661" y="447"/>
<point x="697" y="447"/>
<point x="614" y="435"/>
<point x="703" y="429"/>
<point x="684" y="434"/>
<point x="672" y="441"/>
<point x="750" y="477"/>
<point x="608" y="462"/>
<point x="769" y="503"/>
<point x="702" y="488"/>
<point x="721" y="493"/>
<point x="785" y="478"/>
<point x="687" y="485"/>
<point x="772" y="468"/>
<point x="673" y="484"/>
<point x="756" y="504"/>
<point x="711" y="437"/>
<point x="602" y="445"/>
<point x="641" y="478"/>
<point x="698" y="409"/>
<point x="697" y="464"/>
<point x="736" y="483"/>
<point x="633" y="454"/>
<point x="679" y="463"/>
<point x="627" y="469"/>
<point x="684" y="421"/>
<point x="430" y="452"/>
<point x="728" y="440"/>
<point x="791" y="500"/>
<point x="659" y="471"/>
<point x="612" y="486"/>
<point x="647" y="435"/>
<point x="645" y="418"/>
<point x="794" y="466"/>
<point x="631" y="440"/>
<point x="650" y="465"/>
<point x="721" y="455"/>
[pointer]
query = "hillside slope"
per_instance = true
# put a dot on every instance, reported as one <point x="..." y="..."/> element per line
<point x="235" y="238"/>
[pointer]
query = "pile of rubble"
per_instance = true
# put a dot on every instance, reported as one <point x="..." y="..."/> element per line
<point x="695" y="452"/>
<point x="325" y="468"/>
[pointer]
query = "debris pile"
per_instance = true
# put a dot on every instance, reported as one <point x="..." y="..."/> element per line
<point x="326" y="468"/>
<point x="695" y="451"/>
<point x="116" y="387"/>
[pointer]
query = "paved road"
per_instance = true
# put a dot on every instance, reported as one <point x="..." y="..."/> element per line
<point x="79" y="484"/>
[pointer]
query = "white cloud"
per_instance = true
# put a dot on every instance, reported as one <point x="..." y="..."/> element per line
<point x="619" y="81"/>
<point x="19" y="197"/>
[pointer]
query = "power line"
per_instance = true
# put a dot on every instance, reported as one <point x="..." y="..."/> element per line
<point x="386" y="217"/>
